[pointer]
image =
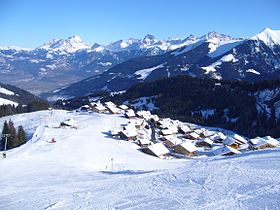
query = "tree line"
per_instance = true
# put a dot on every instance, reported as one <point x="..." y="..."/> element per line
<point x="15" y="137"/>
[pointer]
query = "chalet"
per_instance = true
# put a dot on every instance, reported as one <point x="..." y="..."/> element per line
<point x="114" y="109"/>
<point x="154" y="118"/>
<point x="144" y="114"/>
<point x="70" y="123"/>
<point x="164" y="123"/>
<point x="263" y="143"/>
<point x="192" y="136"/>
<point x="171" y="141"/>
<point x="123" y="107"/>
<point x="109" y="103"/>
<point x="272" y="141"/>
<point x="85" y="108"/>
<point x="218" y="137"/>
<point x="99" y="108"/>
<point x="115" y="133"/>
<point x="169" y="131"/>
<point x="144" y="142"/>
<point x="236" y="142"/>
<point x="129" y="135"/>
<point x="184" y="129"/>
<point x="158" y="150"/>
<point x="206" y="142"/>
<point x="186" y="148"/>
<point x="137" y="123"/>
<point x="201" y="132"/>
<point x="130" y="114"/>
<point x="226" y="151"/>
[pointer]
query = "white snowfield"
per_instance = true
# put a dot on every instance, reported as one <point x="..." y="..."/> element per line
<point x="86" y="169"/>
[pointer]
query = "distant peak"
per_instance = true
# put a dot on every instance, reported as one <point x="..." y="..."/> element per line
<point x="149" y="36"/>
<point x="268" y="36"/>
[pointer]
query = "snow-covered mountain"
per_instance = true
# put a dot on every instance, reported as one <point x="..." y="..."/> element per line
<point x="212" y="55"/>
<point x="63" y="61"/>
<point x="11" y="95"/>
<point x="64" y="46"/>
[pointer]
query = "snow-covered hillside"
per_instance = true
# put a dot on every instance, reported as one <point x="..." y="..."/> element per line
<point x="85" y="169"/>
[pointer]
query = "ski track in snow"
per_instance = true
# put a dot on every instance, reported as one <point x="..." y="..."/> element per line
<point x="76" y="173"/>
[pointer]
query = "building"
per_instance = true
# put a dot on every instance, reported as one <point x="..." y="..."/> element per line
<point x="158" y="150"/>
<point x="170" y="141"/>
<point x="226" y="151"/>
<point x="263" y="143"/>
<point x="130" y="114"/>
<point x="129" y="134"/>
<point x="184" y="129"/>
<point x="218" y="137"/>
<point x="192" y="136"/>
<point x="144" y="142"/>
<point x="236" y="142"/>
<point x="206" y="142"/>
<point x="186" y="148"/>
<point x="123" y="107"/>
<point x="99" y="108"/>
<point x="71" y="123"/>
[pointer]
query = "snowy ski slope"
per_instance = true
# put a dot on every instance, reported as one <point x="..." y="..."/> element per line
<point x="85" y="169"/>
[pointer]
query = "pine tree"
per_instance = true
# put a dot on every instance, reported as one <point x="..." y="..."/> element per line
<point x="5" y="130"/>
<point x="12" y="139"/>
<point x="20" y="135"/>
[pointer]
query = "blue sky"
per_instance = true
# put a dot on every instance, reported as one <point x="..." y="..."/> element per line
<point x="29" y="23"/>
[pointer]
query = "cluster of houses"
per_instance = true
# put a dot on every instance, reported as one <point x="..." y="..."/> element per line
<point x="165" y="138"/>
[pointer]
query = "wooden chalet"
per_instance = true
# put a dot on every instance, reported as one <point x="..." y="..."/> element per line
<point x="70" y="123"/>
<point x="130" y="114"/>
<point x="226" y="151"/>
<point x="236" y="142"/>
<point x="218" y="137"/>
<point x="263" y="143"/>
<point x="192" y="136"/>
<point x="186" y="148"/>
<point x="206" y="142"/>
<point x="158" y="150"/>
<point x="144" y="142"/>
<point x="124" y="107"/>
<point x="129" y="134"/>
<point x="184" y="129"/>
<point x="170" y="141"/>
<point x="99" y="108"/>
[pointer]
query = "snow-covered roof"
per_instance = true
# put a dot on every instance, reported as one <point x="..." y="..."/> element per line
<point x="155" y="117"/>
<point x="185" y="128"/>
<point x="130" y="132"/>
<point x="258" y="141"/>
<point x="193" y="135"/>
<point x="167" y="132"/>
<point x="109" y="103"/>
<point x="130" y="113"/>
<point x="271" y="140"/>
<point x="225" y="150"/>
<point x="240" y="138"/>
<point x="144" y="141"/>
<point x="158" y="149"/>
<point x="218" y="136"/>
<point x="174" y="140"/>
<point x="188" y="146"/>
<point x="69" y="122"/>
<point x="144" y="114"/>
<point x="100" y="107"/>
<point x="123" y="107"/>
<point x="207" y="140"/>
<point x="114" y="109"/>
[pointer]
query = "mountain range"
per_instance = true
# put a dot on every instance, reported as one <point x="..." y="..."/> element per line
<point x="71" y="67"/>
<point x="64" y="61"/>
